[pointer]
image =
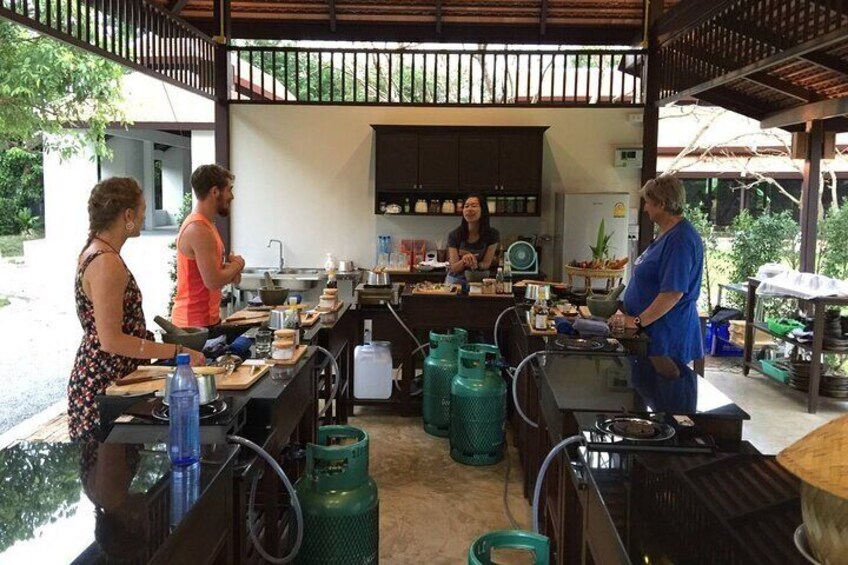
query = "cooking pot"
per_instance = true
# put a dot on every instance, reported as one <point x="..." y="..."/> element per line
<point x="533" y="292"/>
<point x="378" y="279"/>
<point x="205" y="385"/>
<point x="346" y="266"/>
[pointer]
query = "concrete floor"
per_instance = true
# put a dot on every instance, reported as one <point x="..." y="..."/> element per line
<point x="778" y="413"/>
<point x="432" y="508"/>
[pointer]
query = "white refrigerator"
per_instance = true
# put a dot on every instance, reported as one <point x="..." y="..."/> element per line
<point x="577" y="217"/>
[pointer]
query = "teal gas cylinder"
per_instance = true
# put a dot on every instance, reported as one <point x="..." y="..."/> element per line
<point x="440" y="367"/>
<point x="339" y="501"/>
<point x="481" y="551"/>
<point x="477" y="407"/>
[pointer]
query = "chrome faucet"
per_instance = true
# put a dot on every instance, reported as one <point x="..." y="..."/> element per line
<point x="282" y="261"/>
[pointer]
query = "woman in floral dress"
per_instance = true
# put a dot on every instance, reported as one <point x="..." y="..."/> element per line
<point x="115" y="339"/>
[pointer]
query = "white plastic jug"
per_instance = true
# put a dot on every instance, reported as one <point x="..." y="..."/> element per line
<point x="372" y="370"/>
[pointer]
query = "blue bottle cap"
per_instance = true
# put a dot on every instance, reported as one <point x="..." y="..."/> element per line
<point x="183" y="359"/>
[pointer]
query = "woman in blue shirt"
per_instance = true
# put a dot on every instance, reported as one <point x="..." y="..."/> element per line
<point x="662" y="296"/>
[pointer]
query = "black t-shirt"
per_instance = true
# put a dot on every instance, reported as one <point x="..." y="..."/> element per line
<point x="478" y="248"/>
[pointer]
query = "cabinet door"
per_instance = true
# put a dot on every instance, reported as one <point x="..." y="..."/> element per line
<point x="521" y="162"/>
<point x="397" y="162"/>
<point x="438" y="155"/>
<point x="478" y="162"/>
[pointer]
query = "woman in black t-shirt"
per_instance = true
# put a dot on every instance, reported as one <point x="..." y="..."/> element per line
<point x="473" y="244"/>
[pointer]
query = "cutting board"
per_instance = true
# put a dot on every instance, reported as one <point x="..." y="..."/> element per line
<point x="452" y="291"/>
<point x="301" y="349"/>
<point x="549" y="332"/>
<point x="246" y="317"/>
<point x="240" y="379"/>
<point x="308" y="319"/>
<point x="335" y="308"/>
<point x="481" y="295"/>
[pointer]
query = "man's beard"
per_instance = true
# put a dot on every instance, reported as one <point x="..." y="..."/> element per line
<point x="223" y="209"/>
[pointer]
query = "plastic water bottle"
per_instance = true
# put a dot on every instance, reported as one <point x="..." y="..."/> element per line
<point x="185" y="490"/>
<point x="184" y="415"/>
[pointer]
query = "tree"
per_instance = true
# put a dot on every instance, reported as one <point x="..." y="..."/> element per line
<point x="47" y="86"/>
<point x="21" y="190"/>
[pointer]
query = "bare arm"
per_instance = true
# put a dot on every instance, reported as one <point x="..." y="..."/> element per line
<point x="106" y="280"/>
<point x="198" y="242"/>
<point x="488" y="257"/>
<point x="661" y="306"/>
<point x="461" y="260"/>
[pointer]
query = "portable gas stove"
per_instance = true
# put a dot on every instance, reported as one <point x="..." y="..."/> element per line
<point x="586" y="345"/>
<point x="632" y="432"/>
<point x="370" y="295"/>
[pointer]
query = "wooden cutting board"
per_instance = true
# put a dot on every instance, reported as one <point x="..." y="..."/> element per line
<point x="452" y="291"/>
<point x="308" y="319"/>
<point x="481" y="295"/>
<point x="241" y="379"/>
<point x="549" y="332"/>
<point x="335" y="308"/>
<point x="301" y="349"/>
<point x="245" y="317"/>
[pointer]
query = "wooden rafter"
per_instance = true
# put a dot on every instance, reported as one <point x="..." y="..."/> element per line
<point x="331" y="4"/>
<point x="822" y="110"/>
<point x="176" y="6"/>
<point x="543" y="18"/>
<point x="438" y="17"/>
<point x="827" y="62"/>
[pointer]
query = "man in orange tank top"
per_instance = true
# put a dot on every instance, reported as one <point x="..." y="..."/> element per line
<point x="201" y="267"/>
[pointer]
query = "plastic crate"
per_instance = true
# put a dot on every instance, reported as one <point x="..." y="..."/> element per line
<point x="717" y="341"/>
<point x="776" y="370"/>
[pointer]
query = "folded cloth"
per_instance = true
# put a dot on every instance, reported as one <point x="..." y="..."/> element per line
<point x="241" y="346"/>
<point x="255" y="301"/>
<point x="591" y="327"/>
<point x="215" y="347"/>
<point x="564" y="326"/>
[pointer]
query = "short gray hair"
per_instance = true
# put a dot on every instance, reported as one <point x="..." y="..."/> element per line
<point x="666" y="190"/>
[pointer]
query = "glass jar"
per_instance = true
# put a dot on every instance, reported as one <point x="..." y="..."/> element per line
<point x="500" y="207"/>
<point x="531" y="205"/>
<point x="459" y="206"/>
<point x="382" y="206"/>
<point x="492" y="205"/>
<point x="510" y="205"/>
<point x="519" y="205"/>
<point x="434" y="207"/>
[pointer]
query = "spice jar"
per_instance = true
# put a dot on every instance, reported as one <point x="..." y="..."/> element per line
<point x="510" y="205"/>
<point x="434" y="206"/>
<point x="489" y="286"/>
<point x="501" y="205"/>
<point x="492" y="205"/>
<point x="459" y="206"/>
<point x="519" y="205"/>
<point x="287" y="335"/>
<point x="283" y="349"/>
<point x="531" y="205"/>
<point x="448" y="207"/>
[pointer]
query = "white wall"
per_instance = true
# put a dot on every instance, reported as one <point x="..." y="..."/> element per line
<point x="305" y="174"/>
<point x="175" y="162"/>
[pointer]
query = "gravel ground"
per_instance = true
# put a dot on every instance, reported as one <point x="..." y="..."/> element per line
<point x="40" y="333"/>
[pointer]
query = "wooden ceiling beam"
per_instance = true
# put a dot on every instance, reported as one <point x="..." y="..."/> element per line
<point x="827" y="62"/>
<point x="822" y="110"/>
<point x="438" y="17"/>
<point x="331" y="4"/>
<point x="764" y="64"/>
<point x="176" y="6"/>
<point x="543" y="17"/>
<point x="735" y="101"/>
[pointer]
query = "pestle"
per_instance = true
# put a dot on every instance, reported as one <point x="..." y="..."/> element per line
<point x="168" y="326"/>
<point x="616" y="292"/>
<point x="269" y="282"/>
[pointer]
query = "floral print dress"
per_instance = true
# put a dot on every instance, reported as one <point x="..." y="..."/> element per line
<point x="94" y="369"/>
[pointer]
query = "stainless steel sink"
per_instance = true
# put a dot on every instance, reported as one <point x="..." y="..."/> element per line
<point x="292" y="278"/>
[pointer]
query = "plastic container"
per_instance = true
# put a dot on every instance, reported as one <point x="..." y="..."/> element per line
<point x="372" y="370"/>
<point x="480" y="552"/>
<point x="718" y="341"/>
<point x="184" y="415"/>
<point x="775" y="370"/>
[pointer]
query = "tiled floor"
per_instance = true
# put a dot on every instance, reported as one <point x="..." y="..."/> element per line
<point x="778" y="413"/>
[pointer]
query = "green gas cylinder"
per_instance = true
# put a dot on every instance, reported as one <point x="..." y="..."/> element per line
<point x="339" y="500"/>
<point x="439" y="370"/>
<point x="480" y="552"/>
<point x="477" y="407"/>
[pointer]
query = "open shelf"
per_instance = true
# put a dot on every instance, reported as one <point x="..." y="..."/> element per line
<point x="804" y="345"/>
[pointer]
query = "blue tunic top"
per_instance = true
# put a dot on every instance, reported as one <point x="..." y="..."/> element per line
<point x="672" y="263"/>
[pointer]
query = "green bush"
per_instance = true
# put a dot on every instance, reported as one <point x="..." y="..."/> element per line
<point x="185" y="210"/>
<point x="21" y="189"/>
<point x="769" y="238"/>
<point x="833" y="243"/>
<point x="713" y="256"/>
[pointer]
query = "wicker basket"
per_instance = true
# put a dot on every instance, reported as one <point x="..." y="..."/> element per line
<point x="613" y="276"/>
<point x="820" y="459"/>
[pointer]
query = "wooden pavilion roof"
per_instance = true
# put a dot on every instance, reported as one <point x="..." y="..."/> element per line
<point x="612" y="22"/>
<point x="777" y="61"/>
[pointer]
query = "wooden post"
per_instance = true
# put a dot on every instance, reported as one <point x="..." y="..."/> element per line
<point x="810" y="191"/>
<point x="651" y="117"/>
<point x="223" y="84"/>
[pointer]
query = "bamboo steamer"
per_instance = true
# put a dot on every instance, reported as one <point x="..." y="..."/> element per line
<point x="820" y="460"/>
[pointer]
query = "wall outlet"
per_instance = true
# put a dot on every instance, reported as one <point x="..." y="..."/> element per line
<point x="367" y="330"/>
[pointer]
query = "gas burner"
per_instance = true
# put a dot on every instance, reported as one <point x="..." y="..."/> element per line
<point x="214" y="408"/>
<point x="580" y="344"/>
<point x="635" y="429"/>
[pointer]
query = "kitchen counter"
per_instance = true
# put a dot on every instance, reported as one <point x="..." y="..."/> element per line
<point x="98" y="503"/>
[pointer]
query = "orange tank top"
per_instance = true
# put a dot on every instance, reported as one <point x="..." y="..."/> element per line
<point x="195" y="305"/>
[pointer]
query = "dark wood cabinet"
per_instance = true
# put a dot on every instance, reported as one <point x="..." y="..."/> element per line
<point x="520" y="162"/>
<point x="397" y="161"/>
<point x="440" y="162"/>
<point x="478" y="162"/>
<point x="437" y="162"/>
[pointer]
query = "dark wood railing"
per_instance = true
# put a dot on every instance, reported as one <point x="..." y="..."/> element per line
<point x="131" y="32"/>
<point x="282" y="75"/>
<point x="738" y="38"/>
